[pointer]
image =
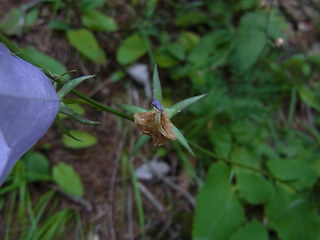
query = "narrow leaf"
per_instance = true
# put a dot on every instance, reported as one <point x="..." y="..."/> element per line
<point x="63" y="129"/>
<point x="132" y="109"/>
<point x="71" y="85"/>
<point x="74" y="115"/>
<point x="178" y="107"/>
<point x="182" y="139"/>
<point x="157" y="92"/>
<point x="141" y="141"/>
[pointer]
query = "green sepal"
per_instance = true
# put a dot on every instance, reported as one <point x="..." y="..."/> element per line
<point x="64" y="109"/>
<point x="71" y="85"/>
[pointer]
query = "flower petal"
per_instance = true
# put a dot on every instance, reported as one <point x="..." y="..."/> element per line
<point x="28" y="106"/>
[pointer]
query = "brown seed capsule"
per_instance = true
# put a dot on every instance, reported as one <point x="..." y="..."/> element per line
<point x="159" y="131"/>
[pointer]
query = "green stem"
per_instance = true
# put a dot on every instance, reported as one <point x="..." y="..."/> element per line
<point x="216" y="156"/>
<point x="102" y="106"/>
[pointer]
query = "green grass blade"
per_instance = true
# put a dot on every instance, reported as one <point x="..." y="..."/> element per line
<point x="141" y="141"/>
<point x="157" y="92"/>
<point x="178" y="107"/>
<point x="71" y="85"/>
<point x="182" y="140"/>
<point x="138" y="200"/>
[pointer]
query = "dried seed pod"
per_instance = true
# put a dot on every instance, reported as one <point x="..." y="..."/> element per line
<point x="146" y="123"/>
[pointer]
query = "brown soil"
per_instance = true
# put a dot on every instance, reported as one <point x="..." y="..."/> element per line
<point x="99" y="166"/>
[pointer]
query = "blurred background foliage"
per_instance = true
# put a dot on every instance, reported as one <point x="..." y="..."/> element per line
<point x="255" y="135"/>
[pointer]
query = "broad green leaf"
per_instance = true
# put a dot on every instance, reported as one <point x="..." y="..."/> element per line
<point x="98" y="21"/>
<point x="252" y="230"/>
<point x="48" y="63"/>
<point x="182" y="139"/>
<point x="141" y="141"/>
<point x="218" y="213"/>
<point x="10" y="22"/>
<point x="164" y="59"/>
<point x="86" y="43"/>
<point x="298" y="172"/>
<point x="253" y="187"/>
<point x="309" y="98"/>
<point x="56" y="24"/>
<point x="36" y="162"/>
<point x="191" y="19"/>
<point x="292" y="216"/>
<point x="188" y="40"/>
<point x="243" y="156"/>
<point x="64" y="109"/>
<point x="132" y="48"/>
<point x="157" y="92"/>
<point x="132" y="109"/>
<point x="67" y="179"/>
<point x="178" y="107"/>
<point x="221" y="139"/>
<point x="67" y="87"/>
<point x="87" y="139"/>
<point x="88" y="5"/>
<point x="251" y="43"/>
<point x="176" y="50"/>
<point x="151" y="6"/>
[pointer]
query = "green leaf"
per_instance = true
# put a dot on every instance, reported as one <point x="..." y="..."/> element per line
<point x="75" y="107"/>
<point x="191" y="19"/>
<point x="88" y="5"/>
<point x="252" y="230"/>
<point x="64" y="109"/>
<point x="178" y="107"/>
<point x="132" y="109"/>
<point x="299" y="172"/>
<point x="188" y="40"/>
<point x="67" y="179"/>
<point x="218" y="212"/>
<point x="309" y="98"/>
<point x="36" y="163"/>
<point x="86" y="43"/>
<point x="176" y="50"/>
<point x="67" y="87"/>
<point x="98" y="21"/>
<point x="151" y="6"/>
<point x="87" y="139"/>
<point x="132" y="48"/>
<point x="182" y="139"/>
<point x="253" y="187"/>
<point x="10" y="23"/>
<point x="56" y="24"/>
<point x="157" y="92"/>
<point x="164" y="59"/>
<point x="46" y="62"/>
<point x="221" y="139"/>
<point x="292" y="216"/>
<point x="141" y="141"/>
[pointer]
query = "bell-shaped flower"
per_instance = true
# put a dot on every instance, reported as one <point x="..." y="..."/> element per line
<point x="28" y="106"/>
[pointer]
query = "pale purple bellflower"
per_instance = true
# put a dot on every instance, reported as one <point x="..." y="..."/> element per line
<point x="28" y="106"/>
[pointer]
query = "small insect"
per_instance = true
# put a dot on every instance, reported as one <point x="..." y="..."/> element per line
<point x="157" y="105"/>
